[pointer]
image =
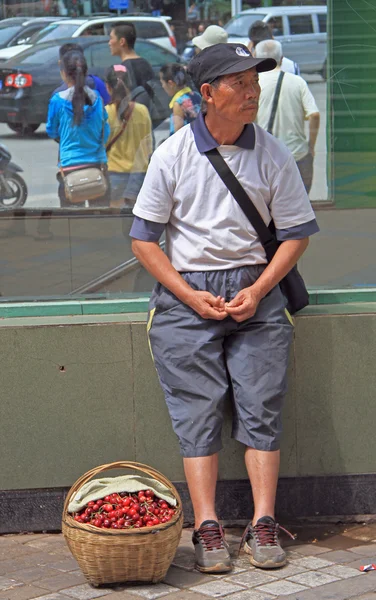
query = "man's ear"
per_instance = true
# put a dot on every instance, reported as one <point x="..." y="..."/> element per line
<point x="206" y="92"/>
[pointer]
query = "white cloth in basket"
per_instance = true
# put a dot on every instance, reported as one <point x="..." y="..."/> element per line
<point x="99" y="488"/>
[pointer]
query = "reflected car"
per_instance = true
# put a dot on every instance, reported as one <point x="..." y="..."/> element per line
<point x="17" y="31"/>
<point x="28" y="80"/>
<point x="300" y="29"/>
<point x="155" y="29"/>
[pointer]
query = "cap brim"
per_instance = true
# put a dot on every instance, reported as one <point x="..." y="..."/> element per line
<point x="197" y="41"/>
<point x="261" y="64"/>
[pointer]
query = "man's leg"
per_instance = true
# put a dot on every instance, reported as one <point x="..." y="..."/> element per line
<point x="188" y="355"/>
<point x="257" y="358"/>
<point x="263" y="468"/>
<point x="201" y="474"/>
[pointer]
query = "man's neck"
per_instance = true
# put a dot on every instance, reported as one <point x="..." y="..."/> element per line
<point x="224" y="132"/>
<point x="125" y="54"/>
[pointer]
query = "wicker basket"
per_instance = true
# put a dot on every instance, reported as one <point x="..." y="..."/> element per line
<point x="118" y="556"/>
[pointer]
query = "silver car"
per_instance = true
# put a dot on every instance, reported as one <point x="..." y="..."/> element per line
<point x="300" y="29"/>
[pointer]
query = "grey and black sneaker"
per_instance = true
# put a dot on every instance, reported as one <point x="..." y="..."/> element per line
<point x="261" y="542"/>
<point x="211" y="549"/>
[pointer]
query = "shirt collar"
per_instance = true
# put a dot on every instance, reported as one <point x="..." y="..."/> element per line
<point x="179" y="94"/>
<point x="205" y="141"/>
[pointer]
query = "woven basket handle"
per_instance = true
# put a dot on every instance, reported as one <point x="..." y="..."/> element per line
<point x="118" y="465"/>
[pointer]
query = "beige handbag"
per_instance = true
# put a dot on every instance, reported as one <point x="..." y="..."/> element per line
<point x="86" y="182"/>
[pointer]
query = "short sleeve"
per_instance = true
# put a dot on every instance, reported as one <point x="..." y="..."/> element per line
<point x="147" y="231"/>
<point x="290" y="205"/>
<point x="155" y="200"/>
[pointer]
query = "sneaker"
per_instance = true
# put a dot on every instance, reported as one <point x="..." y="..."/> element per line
<point x="261" y="542"/>
<point x="211" y="550"/>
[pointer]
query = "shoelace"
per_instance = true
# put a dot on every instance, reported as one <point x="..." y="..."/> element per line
<point x="212" y="537"/>
<point x="266" y="534"/>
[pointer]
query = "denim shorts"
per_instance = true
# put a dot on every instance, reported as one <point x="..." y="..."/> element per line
<point x="125" y="185"/>
<point x="203" y="363"/>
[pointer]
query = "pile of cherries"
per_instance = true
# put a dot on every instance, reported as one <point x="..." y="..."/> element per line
<point x="126" y="511"/>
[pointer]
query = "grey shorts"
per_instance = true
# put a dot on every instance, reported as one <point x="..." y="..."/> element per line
<point x="203" y="363"/>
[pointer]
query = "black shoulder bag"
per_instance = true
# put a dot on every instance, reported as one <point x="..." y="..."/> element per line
<point x="292" y="285"/>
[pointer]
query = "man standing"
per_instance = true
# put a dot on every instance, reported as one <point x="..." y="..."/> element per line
<point x="121" y="43"/>
<point x="294" y="106"/>
<point x="260" y="31"/>
<point x="217" y="315"/>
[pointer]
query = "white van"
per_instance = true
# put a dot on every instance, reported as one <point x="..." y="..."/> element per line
<point x="300" y="29"/>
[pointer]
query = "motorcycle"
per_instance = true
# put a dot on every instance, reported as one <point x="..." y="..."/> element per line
<point x="13" y="189"/>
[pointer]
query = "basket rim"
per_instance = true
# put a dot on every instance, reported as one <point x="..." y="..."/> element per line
<point x="120" y="465"/>
<point x="69" y="521"/>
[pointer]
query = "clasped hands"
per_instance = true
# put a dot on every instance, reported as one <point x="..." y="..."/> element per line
<point x="240" y="308"/>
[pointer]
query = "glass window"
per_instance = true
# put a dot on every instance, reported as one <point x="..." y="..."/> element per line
<point x="36" y="56"/>
<point x="155" y="55"/>
<point x="101" y="56"/>
<point x="300" y="24"/>
<point x="97" y="29"/>
<point x="26" y="33"/>
<point x="54" y="32"/>
<point x="52" y="249"/>
<point x="276" y="26"/>
<point x="322" y="23"/>
<point x="6" y="33"/>
<point x="239" y="26"/>
<point x="150" y="29"/>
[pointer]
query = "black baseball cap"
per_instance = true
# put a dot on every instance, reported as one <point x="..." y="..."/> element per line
<point x="225" y="59"/>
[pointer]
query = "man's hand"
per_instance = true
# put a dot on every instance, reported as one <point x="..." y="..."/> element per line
<point x="207" y="305"/>
<point x="244" y="305"/>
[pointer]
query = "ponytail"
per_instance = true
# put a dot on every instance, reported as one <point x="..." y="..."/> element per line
<point x="75" y="68"/>
<point x="176" y="73"/>
<point x="117" y="80"/>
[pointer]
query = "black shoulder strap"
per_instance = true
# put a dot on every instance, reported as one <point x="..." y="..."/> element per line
<point x="267" y="239"/>
<point x="275" y="101"/>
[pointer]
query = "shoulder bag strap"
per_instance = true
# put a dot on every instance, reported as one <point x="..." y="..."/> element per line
<point x="275" y="102"/>
<point x="123" y="126"/>
<point x="267" y="239"/>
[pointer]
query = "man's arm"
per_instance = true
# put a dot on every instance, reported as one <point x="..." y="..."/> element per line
<point x="155" y="261"/>
<point x="314" y="125"/>
<point x="245" y="303"/>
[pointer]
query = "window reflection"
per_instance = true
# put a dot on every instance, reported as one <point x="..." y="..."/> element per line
<point x="52" y="248"/>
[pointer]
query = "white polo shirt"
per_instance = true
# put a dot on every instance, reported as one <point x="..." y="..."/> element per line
<point x="205" y="227"/>
<point x="295" y="105"/>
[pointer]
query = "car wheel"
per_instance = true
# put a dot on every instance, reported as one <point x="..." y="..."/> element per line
<point x="324" y="72"/>
<point x="22" y="129"/>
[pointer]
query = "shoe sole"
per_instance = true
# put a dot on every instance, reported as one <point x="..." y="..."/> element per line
<point x="218" y="568"/>
<point x="265" y="565"/>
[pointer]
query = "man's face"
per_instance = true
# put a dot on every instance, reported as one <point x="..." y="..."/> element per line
<point x="236" y="96"/>
<point x="115" y="44"/>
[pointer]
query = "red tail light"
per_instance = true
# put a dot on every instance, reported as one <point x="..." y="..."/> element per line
<point x="173" y="41"/>
<point x="19" y="80"/>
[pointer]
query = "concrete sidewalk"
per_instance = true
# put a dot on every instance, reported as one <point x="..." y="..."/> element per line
<point x="323" y="564"/>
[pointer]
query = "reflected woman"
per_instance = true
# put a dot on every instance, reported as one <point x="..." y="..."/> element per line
<point x="185" y="103"/>
<point x="77" y="119"/>
<point x="130" y="143"/>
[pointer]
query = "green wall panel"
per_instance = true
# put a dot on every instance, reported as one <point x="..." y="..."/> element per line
<point x="77" y="396"/>
<point x="352" y="101"/>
